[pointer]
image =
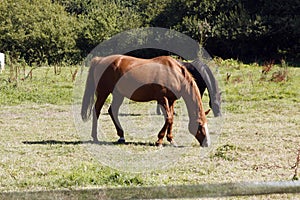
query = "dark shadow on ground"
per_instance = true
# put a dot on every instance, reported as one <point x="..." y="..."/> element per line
<point x="125" y="114"/>
<point x="61" y="142"/>
<point x="54" y="142"/>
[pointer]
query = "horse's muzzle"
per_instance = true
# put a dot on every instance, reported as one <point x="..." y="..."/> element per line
<point x="206" y="142"/>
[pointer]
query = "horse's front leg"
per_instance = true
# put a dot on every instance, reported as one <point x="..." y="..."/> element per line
<point x="171" y="119"/>
<point x="114" y="112"/>
<point x="168" y="119"/>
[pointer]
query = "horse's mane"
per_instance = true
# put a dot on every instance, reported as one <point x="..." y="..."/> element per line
<point x="190" y="85"/>
<point x="192" y="96"/>
<point x="189" y="78"/>
<point x="186" y="74"/>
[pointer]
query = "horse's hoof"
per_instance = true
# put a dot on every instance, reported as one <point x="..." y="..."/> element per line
<point x="95" y="140"/>
<point x="121" y="140"/>
<point x="158" y="144"/>
<point x="173" y="143"/>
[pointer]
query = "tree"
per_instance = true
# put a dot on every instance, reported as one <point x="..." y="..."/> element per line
<point x="104" y="20"/>
<point x="37" y="31"/>
<point x="264" y="29"/>
<point x="53" y="31"/>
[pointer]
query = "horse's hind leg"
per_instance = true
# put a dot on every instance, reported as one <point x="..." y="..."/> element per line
<point x="101" y="97"/>
<point x="114" y="111"/>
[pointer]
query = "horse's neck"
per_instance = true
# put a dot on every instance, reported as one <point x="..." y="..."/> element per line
<point x="192" y="99"/>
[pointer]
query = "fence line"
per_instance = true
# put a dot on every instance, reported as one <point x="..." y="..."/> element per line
<point x="165" y="192"/>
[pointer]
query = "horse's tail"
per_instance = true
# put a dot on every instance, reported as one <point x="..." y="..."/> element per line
<point x="89" y="93"/>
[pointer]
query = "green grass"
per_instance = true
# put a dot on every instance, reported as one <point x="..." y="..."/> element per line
<point x="41" y="149"/>
<point x="43" y="86"/>
<point x="248" y="83"/>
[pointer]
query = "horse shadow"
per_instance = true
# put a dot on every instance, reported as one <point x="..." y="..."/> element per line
<point x="126" y="114"/>
<point x="62" y="142"/>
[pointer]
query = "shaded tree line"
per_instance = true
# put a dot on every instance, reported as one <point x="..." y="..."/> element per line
<point x="55" y="31"/>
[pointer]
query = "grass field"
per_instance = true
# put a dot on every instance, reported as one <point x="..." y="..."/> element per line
<point x="42" y="148"/>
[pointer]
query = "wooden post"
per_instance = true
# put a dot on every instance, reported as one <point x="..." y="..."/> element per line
<point x="2" y="62"/>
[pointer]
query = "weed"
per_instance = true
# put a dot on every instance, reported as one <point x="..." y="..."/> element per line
<point x="295" y="177"/>
<point x="228" y="75"/>
<point x="280" y="76"/>
<point x="267" y="67"/>
<point x="124" y="180"/>
<point x="73" y="73"/>
<point x="226" y="152"/>
<point x="88" y="174"/>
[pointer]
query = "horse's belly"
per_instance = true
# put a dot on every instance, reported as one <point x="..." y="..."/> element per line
<point x="146" y="92"/>
<point x="141" y="93"/>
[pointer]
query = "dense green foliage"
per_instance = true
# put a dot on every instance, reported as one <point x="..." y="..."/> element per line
<point x="54" y="31"/>
<point x="37" y="31"/>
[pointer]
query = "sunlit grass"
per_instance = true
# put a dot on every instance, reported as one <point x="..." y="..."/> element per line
<point x="40" y="148"/>
<point x="43" y="85"/>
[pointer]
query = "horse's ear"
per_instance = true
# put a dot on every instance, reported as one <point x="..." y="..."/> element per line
<point x="206" y="112"/>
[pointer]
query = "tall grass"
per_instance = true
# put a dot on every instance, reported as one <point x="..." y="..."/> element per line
<point x="23" y="84"/>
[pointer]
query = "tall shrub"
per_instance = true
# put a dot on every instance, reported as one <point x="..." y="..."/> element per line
<point x="37" y="31"/>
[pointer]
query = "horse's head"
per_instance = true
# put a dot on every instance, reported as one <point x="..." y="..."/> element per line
<point x="202" y="134"/>
<point x="215" y="103"/>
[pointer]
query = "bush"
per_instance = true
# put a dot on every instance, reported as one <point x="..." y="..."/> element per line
<point x="56" y="31"/>
<point x="38" y="31"/>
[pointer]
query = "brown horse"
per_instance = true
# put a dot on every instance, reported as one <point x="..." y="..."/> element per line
<point x="161" y="79"/>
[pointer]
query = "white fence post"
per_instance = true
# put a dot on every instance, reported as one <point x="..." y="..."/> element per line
<point x="2" y="62"/>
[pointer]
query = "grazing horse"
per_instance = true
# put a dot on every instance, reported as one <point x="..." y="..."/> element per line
<point x="204" y="79"/>
<point x="162" y="79"/>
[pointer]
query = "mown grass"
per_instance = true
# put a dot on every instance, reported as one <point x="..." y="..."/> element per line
<point x="41" y="149"/>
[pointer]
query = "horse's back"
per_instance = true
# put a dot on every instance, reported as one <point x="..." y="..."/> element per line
<point x="146" y="79"/>
<point x="126" y="73"/>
